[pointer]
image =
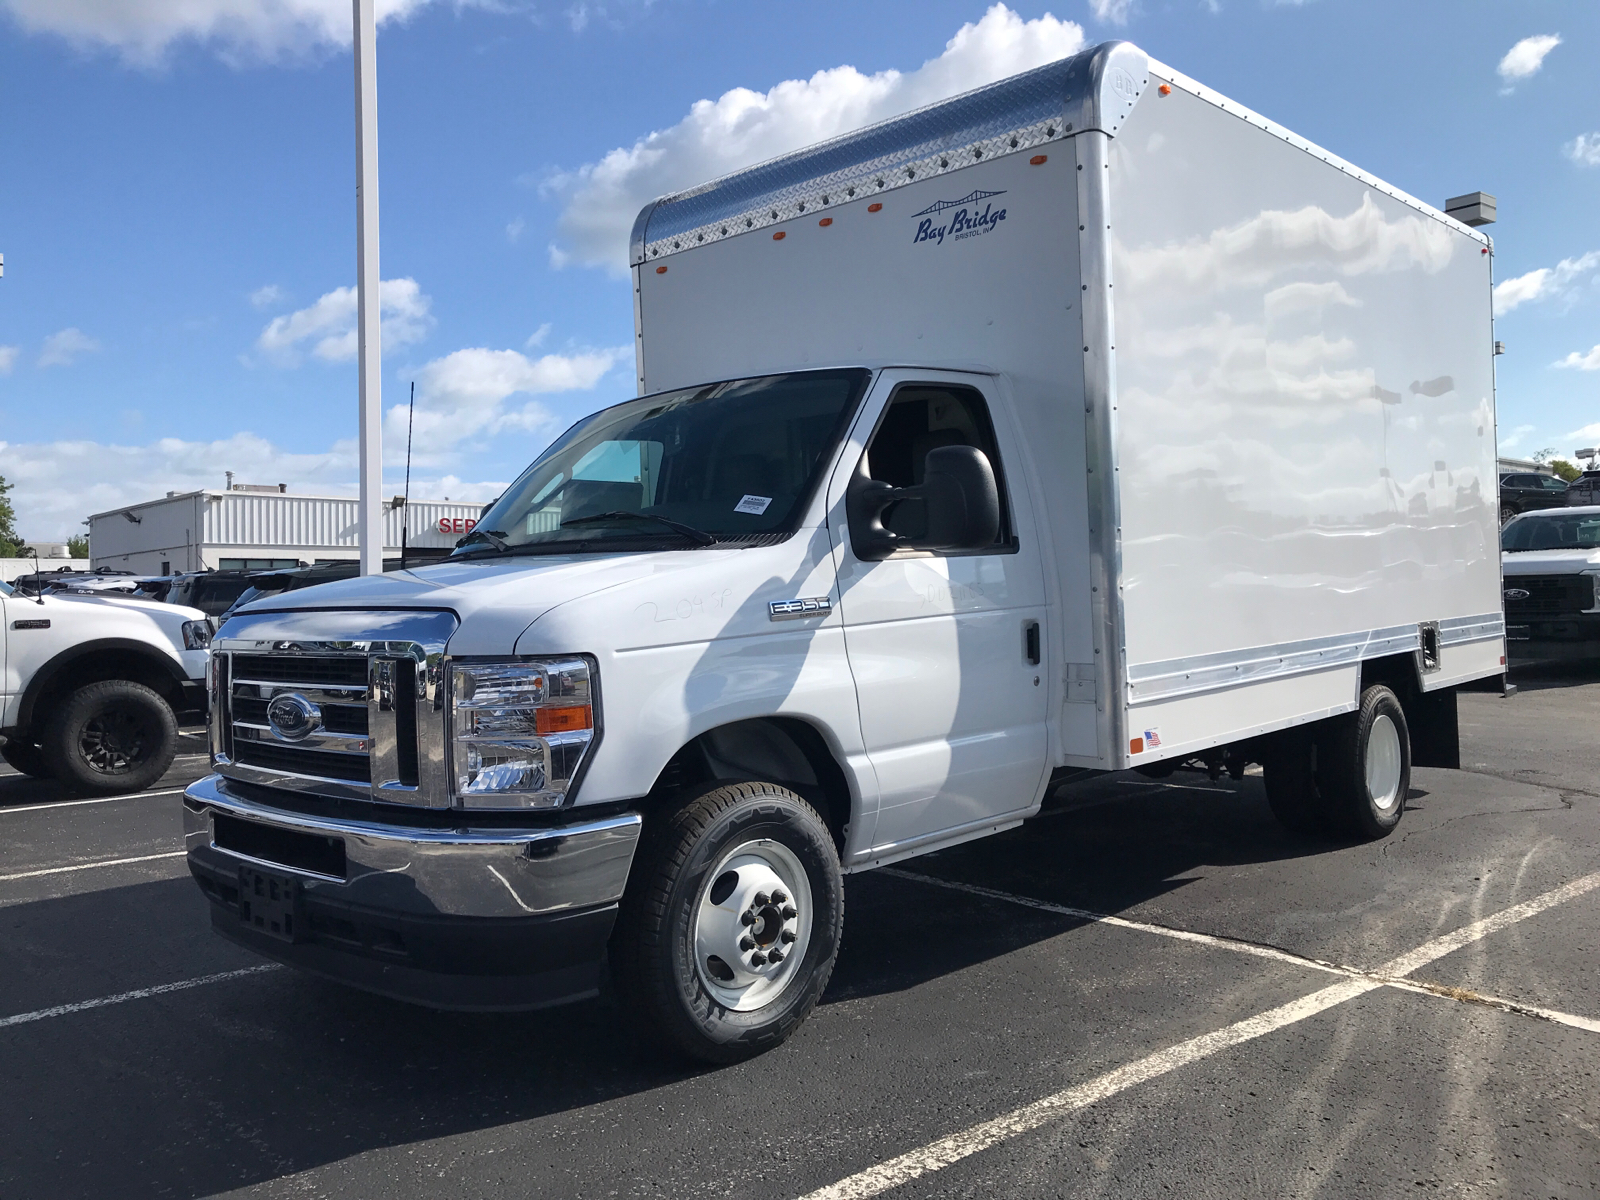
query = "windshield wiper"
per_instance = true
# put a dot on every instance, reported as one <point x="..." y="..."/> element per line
<point x="699" y="536"/>
<point x="495" y="538"/>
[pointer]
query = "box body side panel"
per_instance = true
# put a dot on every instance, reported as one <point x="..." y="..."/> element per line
<point x="1305" y="425"/>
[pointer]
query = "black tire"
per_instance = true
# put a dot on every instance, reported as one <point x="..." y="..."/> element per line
<point x="1370" y="744"/>
<point x="26" y="757"/>
<point x="112" y="736"/>
<point x="1506" y="513"/>
<point x="1288" y="770"/>
<point x="654" y="946"/>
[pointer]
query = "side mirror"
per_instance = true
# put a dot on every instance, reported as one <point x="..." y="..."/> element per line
<point x="958" y="495"/>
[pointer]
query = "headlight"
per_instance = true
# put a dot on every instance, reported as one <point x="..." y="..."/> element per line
<point x="520" y="730"/>
<point x="196" y="635"/>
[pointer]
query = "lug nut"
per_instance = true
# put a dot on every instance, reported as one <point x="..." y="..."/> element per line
<point x="779" y="896"/>
<point x="758" y="959"/>
<point x="761" y="900"/>
<point x="747" y="943"/>
<point x="747" y="918"/>
<point x="788" y="912"/>
<point x="775" y="955"/>
<point x="787" y="935"/>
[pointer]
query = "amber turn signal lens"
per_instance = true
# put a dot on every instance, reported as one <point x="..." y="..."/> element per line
<point x="874" y="208"/>
<point x="568" y="719"/>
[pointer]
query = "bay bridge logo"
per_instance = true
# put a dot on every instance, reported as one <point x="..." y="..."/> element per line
<point x="966" y="221"/>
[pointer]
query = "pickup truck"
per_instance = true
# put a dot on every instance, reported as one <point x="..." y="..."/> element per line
<point x="1085" y="422"/>
<point x="93" y="686"/>
<point x="1551" y="569"/>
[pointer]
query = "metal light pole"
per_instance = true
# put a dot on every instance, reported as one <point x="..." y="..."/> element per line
<point x="369" y="521"/>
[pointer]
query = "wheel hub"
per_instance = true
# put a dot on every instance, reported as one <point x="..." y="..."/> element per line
<point x="1384" y="763"/>
<point x="752" y="924"/>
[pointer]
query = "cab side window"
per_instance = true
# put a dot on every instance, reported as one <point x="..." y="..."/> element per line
<point x="924" y="417"/>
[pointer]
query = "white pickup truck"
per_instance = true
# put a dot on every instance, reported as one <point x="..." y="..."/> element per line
<point x="1551" y="564"/>
<point x="91" y="687"/>
<point x="1083" y="422"/>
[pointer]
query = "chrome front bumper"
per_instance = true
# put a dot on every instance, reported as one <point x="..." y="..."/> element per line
<point x="457" y="917"/>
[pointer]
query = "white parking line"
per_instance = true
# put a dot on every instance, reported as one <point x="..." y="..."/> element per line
<point x="62" y="1010"/>
<point x="1257" y="950"/>
<point x="90" y="866"/>
<point x="940" y="1154"/>
<point x="100" y="800"/>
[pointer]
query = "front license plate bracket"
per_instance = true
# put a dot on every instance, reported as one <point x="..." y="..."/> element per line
<point x="269" y="903"/>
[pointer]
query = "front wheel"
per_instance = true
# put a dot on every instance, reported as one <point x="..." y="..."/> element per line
<point x="111" y="736"/>
<point x="1506" y="513"/>
<point x="731" y="921"/>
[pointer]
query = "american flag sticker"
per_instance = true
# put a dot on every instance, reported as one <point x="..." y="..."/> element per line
<point x="1152" y="738"/>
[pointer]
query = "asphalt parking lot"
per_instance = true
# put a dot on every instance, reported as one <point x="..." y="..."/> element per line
<point x="1150" y="990"/>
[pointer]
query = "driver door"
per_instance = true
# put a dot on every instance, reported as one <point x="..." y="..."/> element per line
<point x="946" y="647"/>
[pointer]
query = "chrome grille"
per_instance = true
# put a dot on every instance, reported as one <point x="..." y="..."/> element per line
<point x="359" y="703"/>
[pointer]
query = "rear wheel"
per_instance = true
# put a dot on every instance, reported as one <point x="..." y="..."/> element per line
<point x="731" y="921"/>
<point x="111" y="736"/>
<point x="1364" y="766"/>
<point x="1288" y="770"/>
<point x="26" y="757"/>
<point x="1506" y="513"/>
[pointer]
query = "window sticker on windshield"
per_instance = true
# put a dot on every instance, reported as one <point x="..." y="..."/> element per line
<point x="755" y="505"/>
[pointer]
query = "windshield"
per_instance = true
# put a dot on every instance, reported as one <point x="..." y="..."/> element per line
<point x="1552" y="531"/>
<point x="722" y="462"/>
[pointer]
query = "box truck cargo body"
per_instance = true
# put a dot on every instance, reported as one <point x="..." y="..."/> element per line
<point x="1083" y="422"/>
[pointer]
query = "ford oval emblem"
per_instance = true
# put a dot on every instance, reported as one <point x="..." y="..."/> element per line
<point x="1517" y="593"/>
<point x="292" y="717"/>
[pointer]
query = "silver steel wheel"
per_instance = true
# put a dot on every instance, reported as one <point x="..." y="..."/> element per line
<point x="1384" y="763"/>
<point x="752" y="925"/>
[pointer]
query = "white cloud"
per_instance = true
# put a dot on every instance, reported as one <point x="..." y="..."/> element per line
<point x="537" y="337"/>
<point x="8" y="358"/>
<point x="1584" y="149"/>
<point x="463" y="395"/>
<point x="142" y="31"/>
<point x="329" y="325"/>
<point x="1587" y="433"/>
<point x="267" y="295"/>
<point x="1545" y="283"/>
<point x="1113" y="11"/>
<point x="1524" y="59"/>
<point x="61" y="349"/>
<point x="743" y="127"/>
<point x="1515" y="437"/>
<point x="514" y="230"/>
<point x="459" y="397"/>
<point x="1583" y="362"/>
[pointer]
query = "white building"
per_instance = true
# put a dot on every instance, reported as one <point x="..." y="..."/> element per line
<point x="257" y="528"/>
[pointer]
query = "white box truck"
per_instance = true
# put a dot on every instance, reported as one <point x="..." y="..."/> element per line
<point x="1082" y="422"/>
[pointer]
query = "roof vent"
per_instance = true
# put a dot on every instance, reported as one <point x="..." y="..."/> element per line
<point x="1475" y="208"/>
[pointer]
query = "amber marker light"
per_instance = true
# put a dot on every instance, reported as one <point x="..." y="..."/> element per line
<point x="779" y="236"/>
<point x="661" y="270"/>
<point x="1165" y="89"/>
<point x="1135" y="745"/>
<point x="1038" y="160"/>
<point x="825" y="222"/>
<point x="874" y="208"/>
<point x="563" y="720"/>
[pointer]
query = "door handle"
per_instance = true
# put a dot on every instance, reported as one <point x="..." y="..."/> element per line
<point x="1030" y="643"/>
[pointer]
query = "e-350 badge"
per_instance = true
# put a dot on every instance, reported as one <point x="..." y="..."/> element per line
<point x="789" y="610"/>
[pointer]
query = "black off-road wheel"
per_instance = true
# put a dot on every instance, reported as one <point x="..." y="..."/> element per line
<point x="108" y="737"/>
<point x="1364" y="766"/>
<point x="26" y="757"/>
<point x="730" y="923"/>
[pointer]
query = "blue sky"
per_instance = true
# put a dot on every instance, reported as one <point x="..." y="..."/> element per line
<point x="177" y="206"/>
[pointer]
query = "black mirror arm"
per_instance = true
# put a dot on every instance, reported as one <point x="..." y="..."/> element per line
<point x="865" y="503"/>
